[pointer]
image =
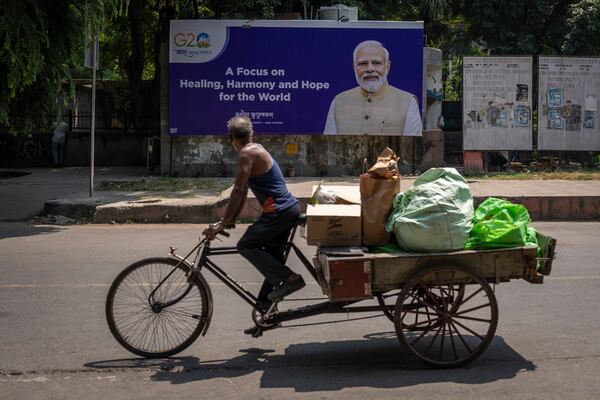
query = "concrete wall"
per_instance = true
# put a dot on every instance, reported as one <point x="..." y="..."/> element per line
<point x="316" y="155"/>
<point x="35" y="151"/>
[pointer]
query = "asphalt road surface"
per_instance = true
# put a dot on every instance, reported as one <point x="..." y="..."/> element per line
<point x="55" y="343"/>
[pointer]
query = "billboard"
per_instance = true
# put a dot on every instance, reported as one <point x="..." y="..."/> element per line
<point x="296" y="77"/>
<point x="568" y="102"/>
<point x="497" y="103"/>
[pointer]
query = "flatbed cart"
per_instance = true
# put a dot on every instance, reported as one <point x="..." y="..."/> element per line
<point x="442" y="305"/>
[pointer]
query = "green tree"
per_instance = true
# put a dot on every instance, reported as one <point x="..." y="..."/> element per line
<point x="37" y="39"/>
<point x="583" y="29"/>
<point x="40" y="42"/>
<point x="515" y="27"/>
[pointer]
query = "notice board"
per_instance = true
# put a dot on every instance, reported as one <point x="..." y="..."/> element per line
<point x="569" y="89"/>
<point x="497" y="103"/>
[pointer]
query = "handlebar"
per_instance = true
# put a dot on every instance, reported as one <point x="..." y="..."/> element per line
<point x="222" y="233"/>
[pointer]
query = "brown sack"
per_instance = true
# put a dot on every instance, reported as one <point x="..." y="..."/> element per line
<point x="378" y="186"/>
<point x="385" y="166"/>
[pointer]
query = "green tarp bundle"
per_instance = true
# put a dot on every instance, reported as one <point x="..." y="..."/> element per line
<point x="434" y="214"/>
<point x="499" y="223"/>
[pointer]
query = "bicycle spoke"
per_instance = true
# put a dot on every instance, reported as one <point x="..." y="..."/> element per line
<point x="443" y="337"/>
<point x="460" y="336"/>
<point x="452" y="341"/>
<point x="468" y="329"/>
<point x="489" y="321"/>
<point x="472" y="309"/>
<point x="432" y="340"/>
<point x="472" y="295"/>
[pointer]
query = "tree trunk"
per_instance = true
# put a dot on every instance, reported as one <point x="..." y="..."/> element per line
<point x="135" y="63"/>
<point x="166" y="12"/>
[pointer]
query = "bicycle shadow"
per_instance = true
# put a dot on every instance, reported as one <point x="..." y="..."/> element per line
<point x="334" y="365"/>
<point x="186" y="369"/>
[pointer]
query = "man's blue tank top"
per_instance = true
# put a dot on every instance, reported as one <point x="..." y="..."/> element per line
<point x="270" y="190"/>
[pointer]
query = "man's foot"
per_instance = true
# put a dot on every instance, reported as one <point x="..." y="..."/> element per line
<point x="263" y="305"/>
<point x="292" y="284"/>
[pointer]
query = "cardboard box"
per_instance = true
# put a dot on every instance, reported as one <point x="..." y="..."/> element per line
<point x="333" y="225"/>
<point x="345" y="194"/>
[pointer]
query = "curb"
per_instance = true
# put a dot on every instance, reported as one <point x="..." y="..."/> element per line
<point x="541" y="208"/>
<point x="80" y="211"/>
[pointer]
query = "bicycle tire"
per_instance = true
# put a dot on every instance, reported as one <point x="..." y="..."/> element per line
<point x="145" y="332"/>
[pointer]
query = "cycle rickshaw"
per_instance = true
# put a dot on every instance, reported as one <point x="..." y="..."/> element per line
<point x="442" y="305"/>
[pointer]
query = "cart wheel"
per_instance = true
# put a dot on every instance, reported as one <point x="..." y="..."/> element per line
<point x="387" y="301"/>
<point x="446" y="316"/>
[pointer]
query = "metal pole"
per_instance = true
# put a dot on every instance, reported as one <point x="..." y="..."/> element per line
<point x="93" y="122"/>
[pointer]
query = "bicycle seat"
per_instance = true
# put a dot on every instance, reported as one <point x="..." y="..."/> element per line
<point x="301" y="219"/>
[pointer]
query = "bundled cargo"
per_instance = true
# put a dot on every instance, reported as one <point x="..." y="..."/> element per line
<point x="378" y="186"/>
<point x="499" y="224"/>
<point x="434" y="214"/>
<point x="333" y="216"/>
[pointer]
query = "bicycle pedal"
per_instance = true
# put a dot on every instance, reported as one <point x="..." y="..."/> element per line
<point x="257" y="333"/>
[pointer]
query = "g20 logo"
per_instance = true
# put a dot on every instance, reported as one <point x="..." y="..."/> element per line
<point x="201" y="40"/>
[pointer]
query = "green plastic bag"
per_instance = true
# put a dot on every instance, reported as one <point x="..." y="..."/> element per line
<point x="499" y="223"/>
<point x="434" y="214"/>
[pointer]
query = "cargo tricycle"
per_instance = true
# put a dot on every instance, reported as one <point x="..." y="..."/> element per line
<point x="442" y="305"/>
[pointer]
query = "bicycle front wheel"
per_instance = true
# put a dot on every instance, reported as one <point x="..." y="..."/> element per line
<point x="143" y="325"/>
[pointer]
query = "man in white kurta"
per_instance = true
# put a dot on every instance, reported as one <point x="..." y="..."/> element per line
<point x="374" y="107"/>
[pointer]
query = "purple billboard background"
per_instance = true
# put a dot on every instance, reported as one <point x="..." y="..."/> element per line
<point x="305" y="54"/>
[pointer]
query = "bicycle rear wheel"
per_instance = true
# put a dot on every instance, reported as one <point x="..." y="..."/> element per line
<point x="147" y="328"/>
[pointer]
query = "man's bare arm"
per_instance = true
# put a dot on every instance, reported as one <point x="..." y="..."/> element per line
<point x="235" y="211"/>
<point x="240" y="189"/>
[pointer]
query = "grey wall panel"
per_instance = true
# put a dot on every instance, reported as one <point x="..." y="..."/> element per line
<point x="568" y="95"/>
<point x="497" y="103"/>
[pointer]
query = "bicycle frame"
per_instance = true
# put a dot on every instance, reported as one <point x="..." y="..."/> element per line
<point x="203" y="261"/>
<point x="204" y="251"/>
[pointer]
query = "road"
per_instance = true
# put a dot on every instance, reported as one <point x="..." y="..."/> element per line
<point x="54" y="342"/>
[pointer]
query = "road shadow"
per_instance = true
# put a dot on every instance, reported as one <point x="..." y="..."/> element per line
<point x="378" y="362"/>
<point x="23" y="229"/>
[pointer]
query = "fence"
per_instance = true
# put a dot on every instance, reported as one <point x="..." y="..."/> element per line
<point x="115" y="122"/>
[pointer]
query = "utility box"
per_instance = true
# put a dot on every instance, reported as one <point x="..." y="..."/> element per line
<point x="338" y="12"/>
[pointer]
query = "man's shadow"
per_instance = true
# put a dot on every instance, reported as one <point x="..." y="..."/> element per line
<point x="187" y="369"/>
<point x="334" y="365"/>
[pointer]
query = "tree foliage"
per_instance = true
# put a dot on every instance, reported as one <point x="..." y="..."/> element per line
<point x="41" y="41"/>
<point x="583" y="29"/>
<point x="37" y="41"/>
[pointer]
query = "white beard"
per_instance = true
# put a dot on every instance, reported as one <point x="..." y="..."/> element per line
<point x="371" y="86"/>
